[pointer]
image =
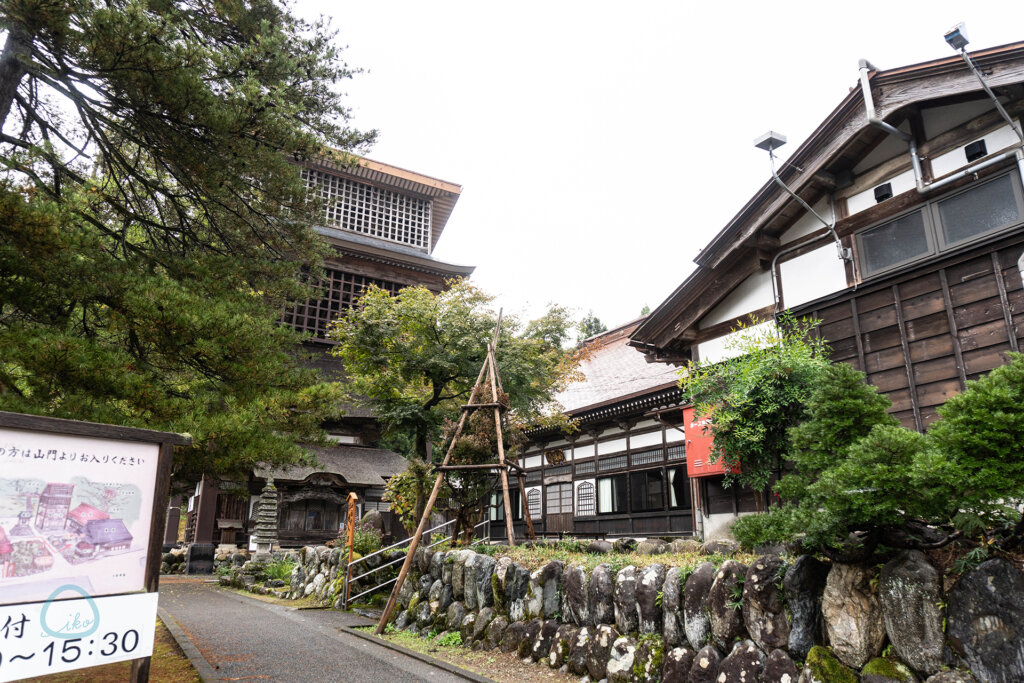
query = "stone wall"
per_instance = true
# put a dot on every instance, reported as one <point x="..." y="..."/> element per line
<point x="774" y="620"/>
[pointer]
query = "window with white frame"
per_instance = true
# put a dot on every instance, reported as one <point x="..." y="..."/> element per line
<point x="585" y="500"/>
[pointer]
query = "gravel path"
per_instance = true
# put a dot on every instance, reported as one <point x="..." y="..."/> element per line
<point x="245" y="639"/>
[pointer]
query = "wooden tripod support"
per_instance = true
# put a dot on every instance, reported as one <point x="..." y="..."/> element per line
<point x="488" y="371"/>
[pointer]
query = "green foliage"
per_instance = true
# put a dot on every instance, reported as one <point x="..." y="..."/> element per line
<point x="857" y="470"/>
<point x="278" y="570"/>
<point x="153" y="219"/>
<point x="414" y="357"/>
<point x="970" y="560"/>
<point x="450" y="639"/>
<point x="754" y="398"/>
<point x="841" y="409"/>
<point x="366" y="539"/>
<point x="981" y="434"/>
<point x="589" y="326"/>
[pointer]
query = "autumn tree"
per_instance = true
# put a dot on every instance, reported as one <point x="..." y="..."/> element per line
<point x="153" y="218"/>
<point x="413" y="358"/>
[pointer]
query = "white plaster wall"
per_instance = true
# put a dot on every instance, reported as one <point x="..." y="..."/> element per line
<point x="644" y="424"/>
<point x="866" y="199"/>
<point x="812" y="275"/>
<point x="719" y="349"/>
<point x="673" y="436"/>
<point x="644" y="440"/>
<point x="955" y="159"/>
<point x="808" y="222"/>
<point x="718" y="527"/>
<point x="613" y="446"/>
<point x="753" y="293"/>
<point x="533" y="461"/>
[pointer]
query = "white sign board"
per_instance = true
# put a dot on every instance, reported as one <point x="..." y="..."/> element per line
<point x="60" y="635"/>
<point x="74" y="511"/>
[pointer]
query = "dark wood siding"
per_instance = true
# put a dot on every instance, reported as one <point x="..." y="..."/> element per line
<point x="920" y="335"/>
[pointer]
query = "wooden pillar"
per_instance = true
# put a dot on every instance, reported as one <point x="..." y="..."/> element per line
<point x="173" y="520"/>
<point x="206" y="511"/>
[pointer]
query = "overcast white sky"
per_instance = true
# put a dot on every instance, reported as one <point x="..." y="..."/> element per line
<point x="601" y="144"/>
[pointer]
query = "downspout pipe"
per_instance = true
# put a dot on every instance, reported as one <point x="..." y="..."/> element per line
<point x="844" y="254"/>
<point x="924" y="187"/>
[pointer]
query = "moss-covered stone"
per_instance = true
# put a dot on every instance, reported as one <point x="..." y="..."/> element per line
<point x="499" y="595"/>
<point x="825" y="667"/>
<point x="886" y="670"/>
<point x="413" y="602"/>
<point x="650" y="654"/>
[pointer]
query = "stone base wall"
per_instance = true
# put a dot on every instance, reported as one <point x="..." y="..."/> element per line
<point x="774" y="620"/>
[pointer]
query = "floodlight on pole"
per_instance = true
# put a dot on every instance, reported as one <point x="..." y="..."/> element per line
<point x="956" y="37"/>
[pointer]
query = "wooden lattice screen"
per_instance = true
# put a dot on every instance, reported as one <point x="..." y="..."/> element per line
<point x="340" y="290"/>
<point x="372" y="211"/>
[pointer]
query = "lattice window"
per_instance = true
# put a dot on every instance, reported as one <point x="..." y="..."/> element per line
<point x="555" y="471"/>
<point x="647" y="457"/>
<point x="559" y="499"/>
<point x="369" y="210"/>
<point x="585" y="499"/>
<point x="533" y="500"/>
<point x="534" y="477"/>
<point x="340" y="291"/>
<point x="677" y="452"/>
<point x="585" y="467"/>
<point x="612" y="463"/>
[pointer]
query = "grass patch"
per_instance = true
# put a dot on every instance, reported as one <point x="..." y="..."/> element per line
<point x="494" y="664"/>
<point x="571" y="553"/>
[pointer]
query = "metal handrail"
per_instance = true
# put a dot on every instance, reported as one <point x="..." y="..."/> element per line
<point x="348" y="565"/>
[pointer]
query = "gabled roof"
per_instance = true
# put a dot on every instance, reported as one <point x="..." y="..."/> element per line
<point x="85" y="513"/>
<point x="106" y="531"/>
<point x="839" y="142"/>
<point x="357" y="465"/>
<point x="614" y="372"/>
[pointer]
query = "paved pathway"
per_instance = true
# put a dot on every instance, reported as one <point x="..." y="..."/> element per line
<point x="246" y="639"/>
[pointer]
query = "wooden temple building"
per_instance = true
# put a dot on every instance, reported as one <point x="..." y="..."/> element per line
<point x="914" y="268"/>
<point x="382" y="223"/>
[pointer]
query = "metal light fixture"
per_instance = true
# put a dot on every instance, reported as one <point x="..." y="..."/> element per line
<point x="956" y="37"/>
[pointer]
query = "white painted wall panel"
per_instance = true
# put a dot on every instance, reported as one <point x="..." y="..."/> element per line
<point x="644" y="424"/>
<point x="673" y="436"/>
<point x="644" y="440"/>
<point x="613" y="446"/>
<point x="719" y="349"/>
<point x="812" y="275"/>
<point x="866" y="199"/>
<point x="753" y="293"/>
<point x="533" y="461"/>
<point x="956" y="159"/>
<point x="808" y="222"/>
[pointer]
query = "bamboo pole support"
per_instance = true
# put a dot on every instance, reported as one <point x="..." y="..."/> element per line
<point x="403" y="573"/>
<point x="503" y="472"/>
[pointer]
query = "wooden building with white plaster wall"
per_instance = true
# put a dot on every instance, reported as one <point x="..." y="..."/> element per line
<point x="915" y="269"/>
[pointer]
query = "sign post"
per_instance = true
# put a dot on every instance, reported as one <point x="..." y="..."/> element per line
<point x="82" y="514"/>
<point x="351" y="540"/>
